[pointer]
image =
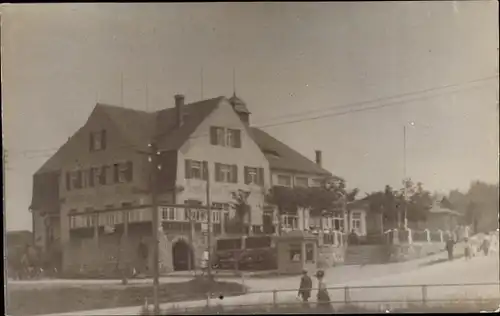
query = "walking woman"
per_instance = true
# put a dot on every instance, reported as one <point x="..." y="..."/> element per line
<point x="323" y="297"/>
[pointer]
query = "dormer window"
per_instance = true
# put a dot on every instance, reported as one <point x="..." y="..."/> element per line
<point x="98" y="140"/>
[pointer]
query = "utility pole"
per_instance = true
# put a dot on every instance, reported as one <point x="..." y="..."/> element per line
<point x="209" y="228"/>
<point x="155" y="166"/>
<point x="404" y="177"/>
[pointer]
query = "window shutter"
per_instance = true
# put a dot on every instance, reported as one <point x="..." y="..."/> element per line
<point x="205" y="170"/>
<point x="213" y="135"/>
<point x="116" y="171"/>
<point x="68" y="181"/>
<point x="261" y="176"/>
<point x="91" y="177"/>
<point x="91" y="144"/>
<point x="79" y="179"/>
<point x="234" y="172"/>
<point x="188" y="169"/>
<point x="103" y="139"/>
<point x="246" y="175"/>
<point x="130" y="171"/>
<point x="237" y="138"/>
<point x="102" y="176"/>
<point x="217" y="172"/>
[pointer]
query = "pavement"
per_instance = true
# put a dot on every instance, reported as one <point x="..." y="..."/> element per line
<point x="485" y="269"/>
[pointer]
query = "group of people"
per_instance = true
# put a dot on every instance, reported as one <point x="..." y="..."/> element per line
<point x="484" y="246"/>
<point x="306" y="286"/>
<point x="470" y="248"/>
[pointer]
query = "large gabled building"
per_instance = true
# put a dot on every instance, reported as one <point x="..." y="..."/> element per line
<point x="105" y="165"/>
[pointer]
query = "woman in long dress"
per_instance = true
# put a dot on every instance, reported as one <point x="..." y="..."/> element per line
<point x="322" y="296"/>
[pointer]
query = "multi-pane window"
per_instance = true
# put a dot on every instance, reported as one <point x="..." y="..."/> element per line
<point x="225" y="137"/>
<point x="356" y="221"/>
<point x="290" y="221"/>
<point x="226" y="173"/>
<point x="169" y="213"/>
<point x="123" y="172"/>
<point x="196" y="169"/>
<point x="217" y="136"/>
<point x="295" y="252"/>
<point x="254" y="175"/>
<point x="317" y="182"/>
<point x="233" y="138"/>
<point x="285" y="181"/>
<point x="97" y="140"/>
<point x="216" y="215"/>
<point x="79" y="179"/>
<point x="301" y="182"/>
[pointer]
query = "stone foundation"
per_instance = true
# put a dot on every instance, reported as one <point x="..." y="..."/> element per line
<point x="112" y="253"/>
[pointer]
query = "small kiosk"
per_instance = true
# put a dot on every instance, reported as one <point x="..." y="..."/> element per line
<point x="296" y="251"/>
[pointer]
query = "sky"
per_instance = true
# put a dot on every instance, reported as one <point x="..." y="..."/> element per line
<point x="291" y="62"/>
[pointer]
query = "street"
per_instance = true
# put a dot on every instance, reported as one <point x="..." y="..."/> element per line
<point x="479" y="269"/>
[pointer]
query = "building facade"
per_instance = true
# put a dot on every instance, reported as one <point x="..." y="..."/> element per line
<point x="92" y="198"/>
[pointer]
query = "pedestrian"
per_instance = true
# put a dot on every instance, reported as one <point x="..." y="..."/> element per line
<point x="449" y="247"/>
<point x="467" y="250"/>
<point x="486" y="245"/>
<point x="305" y="288"/>
<point x="322" y="296"/>
<point x="142" y="253"/>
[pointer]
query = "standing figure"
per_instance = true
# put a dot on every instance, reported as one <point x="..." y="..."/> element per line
<point x="322" y="296"/>
<point x="449" y="247"/>
<point x="305" y="288"/>
<point x="468" y="249"/>
<point x="142" y="252"/>
<point x="485" y="246"/>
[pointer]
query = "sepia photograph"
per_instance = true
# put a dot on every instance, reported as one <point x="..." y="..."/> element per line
<point x="227" y="158"/>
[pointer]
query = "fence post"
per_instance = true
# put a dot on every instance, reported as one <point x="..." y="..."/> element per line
<point x="275" y="297"/>
<point x="347" y="297"/>
<point x="428" y="235"/>
<point x="424" y="294"/>
<point x="208" y="299"/>
<point x="441" y="235"/>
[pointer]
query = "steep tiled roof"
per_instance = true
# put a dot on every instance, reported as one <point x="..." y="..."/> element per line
<point x="282" y="157"/>
<point x="139" y="127"/>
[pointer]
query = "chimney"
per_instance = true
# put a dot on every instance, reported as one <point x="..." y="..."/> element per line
<point x="318" y="157"/>
<point x="179" y="104"/>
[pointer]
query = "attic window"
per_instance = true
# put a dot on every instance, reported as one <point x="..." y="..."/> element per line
<point x="98" y="140"/>
<point x="270" y="152"/>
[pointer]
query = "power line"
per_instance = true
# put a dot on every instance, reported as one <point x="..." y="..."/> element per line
<point x="43" y="152"/>
<point x="354" y="104"/>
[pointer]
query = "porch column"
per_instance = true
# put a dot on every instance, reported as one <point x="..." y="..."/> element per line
<point x="223" y="223"/>
<point x="96" y="228"/>
<point x="303" y="255"/>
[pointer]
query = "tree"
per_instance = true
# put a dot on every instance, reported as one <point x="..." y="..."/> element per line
<point x="321" y="201"/>
<point x="479" y="205"/>
<point x="242" y="210"/>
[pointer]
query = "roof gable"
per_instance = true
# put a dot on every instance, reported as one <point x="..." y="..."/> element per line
<point x="282" y="157"/>
<point x="139" y="127"/>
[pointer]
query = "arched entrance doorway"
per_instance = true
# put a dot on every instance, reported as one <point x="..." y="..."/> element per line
<point x="181" y="255"/>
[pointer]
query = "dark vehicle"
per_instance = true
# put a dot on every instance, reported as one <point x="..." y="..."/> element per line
<point x="246" y="253"/>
